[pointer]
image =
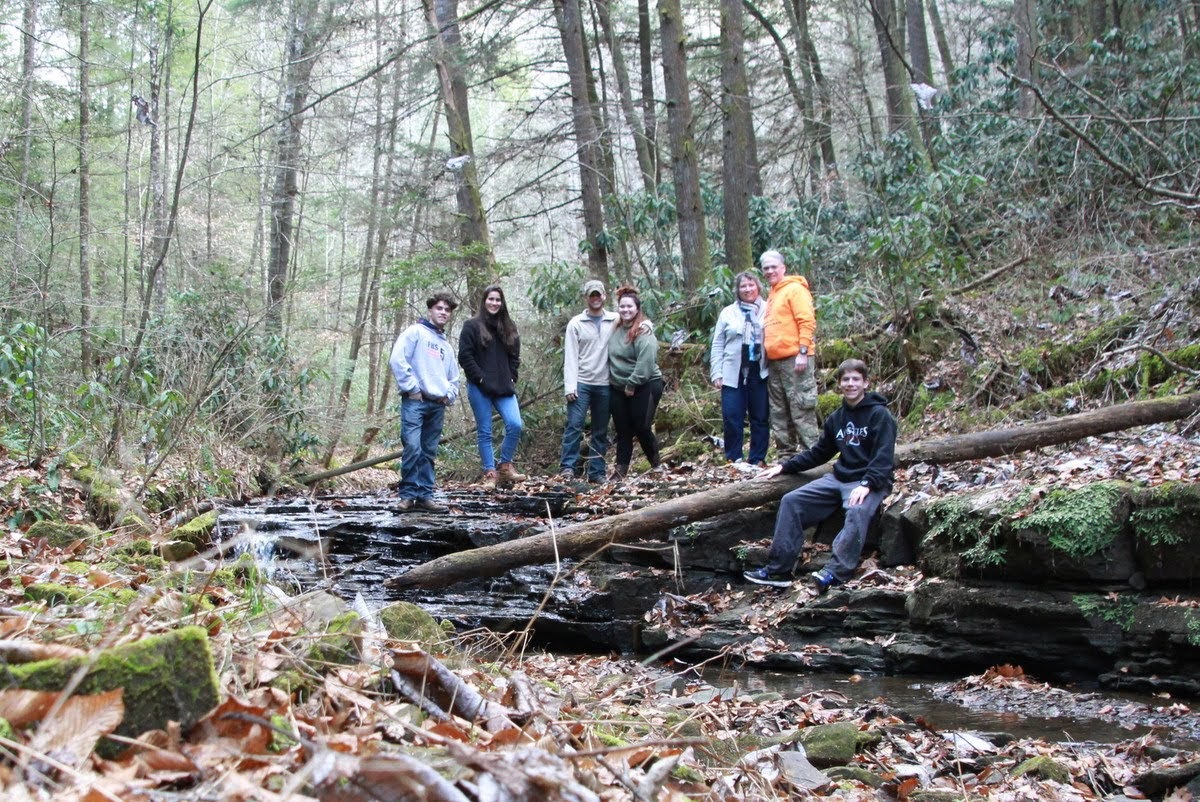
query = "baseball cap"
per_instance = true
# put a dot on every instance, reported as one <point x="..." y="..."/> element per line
<point x="593" y="286"/>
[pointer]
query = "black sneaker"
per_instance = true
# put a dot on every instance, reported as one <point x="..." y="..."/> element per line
<point x="759" y="576"/>
<point x="822" y="581"/>
<point x="429" y="505"/>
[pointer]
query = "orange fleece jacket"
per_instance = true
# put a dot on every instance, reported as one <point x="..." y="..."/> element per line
<point x="790" y="321"/>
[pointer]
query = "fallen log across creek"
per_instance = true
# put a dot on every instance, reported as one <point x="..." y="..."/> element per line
<point x="591" y="536"/>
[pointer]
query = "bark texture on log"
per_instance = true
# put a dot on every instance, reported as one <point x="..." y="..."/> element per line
<point x="593" y="536"/>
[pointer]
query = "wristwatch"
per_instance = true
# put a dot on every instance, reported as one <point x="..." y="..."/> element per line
<point x="804" y="350"/>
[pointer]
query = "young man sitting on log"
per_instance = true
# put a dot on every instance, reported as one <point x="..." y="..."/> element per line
<point x="863" y="434"/>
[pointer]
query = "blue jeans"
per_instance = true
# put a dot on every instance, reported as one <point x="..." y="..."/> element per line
<point x="808" y="506"/>
<point x="749" y="396"/>
<point x="593" y="397"/>
<point x="420" y="431"/>
<point x="510" y="413"/>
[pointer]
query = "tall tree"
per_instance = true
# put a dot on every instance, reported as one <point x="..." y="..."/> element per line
<point x="897" y="90"/>
<point x="19" y="258"/>
<point x="685" y="168"/>
<point x="1025" y="14"/>
<point x="306" y="34"/>
<point x="740" y="155"/>
<point x="85" y="188"/>
<point x="646" y="61"/>
<point x="449" y="58"/>
<point x="587" y="136"/>
<point x="943" y="44"/>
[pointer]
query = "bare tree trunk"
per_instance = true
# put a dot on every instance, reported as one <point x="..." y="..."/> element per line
<point x="587" y="136"/>
<point x="591" y="537"/>
<point x="859" y="70"/>
<point x="689" y="205"/>
<point x="797" y="11"/>
<point x="85" y="189"/>
<point x="366" y="264"/>
<point x="304" y="36"/>
<point x="18" y="261"/>
<point x="898" y="93"/>
<point x="155" y="214"/>
<point x="739" y="158"/>
<point x="943" y="44"/>
<point x="478" y="259"/>
<point x="643" y="145"/>
<point x="1025" y="22"/>
<point x="646" y="59"/>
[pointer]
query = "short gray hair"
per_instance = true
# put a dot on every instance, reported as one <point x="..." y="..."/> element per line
<point x="771" y="256"/>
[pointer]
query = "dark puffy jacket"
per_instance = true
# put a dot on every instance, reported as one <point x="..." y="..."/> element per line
<point x="492" y="367"/>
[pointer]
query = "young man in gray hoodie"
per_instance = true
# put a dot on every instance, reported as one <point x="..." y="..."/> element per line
<point x="427" y="379"/>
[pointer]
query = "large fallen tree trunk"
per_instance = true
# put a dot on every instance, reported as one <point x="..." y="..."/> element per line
<point x="592" y="536"/>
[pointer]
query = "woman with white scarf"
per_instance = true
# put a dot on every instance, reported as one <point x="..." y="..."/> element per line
<point x="739" y="370"/>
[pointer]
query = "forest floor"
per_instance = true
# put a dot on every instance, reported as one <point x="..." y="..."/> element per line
<point x="554" y="727"/>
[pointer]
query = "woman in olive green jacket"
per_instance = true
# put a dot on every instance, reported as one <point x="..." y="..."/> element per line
<point x="635" y="383"/>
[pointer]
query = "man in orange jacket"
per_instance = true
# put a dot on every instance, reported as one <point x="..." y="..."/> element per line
<point x="788" y="332"/>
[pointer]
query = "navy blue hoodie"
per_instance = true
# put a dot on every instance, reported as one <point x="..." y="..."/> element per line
<point x="864" y="438"/>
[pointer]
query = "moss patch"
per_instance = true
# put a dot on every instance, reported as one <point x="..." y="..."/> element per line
<point x="197" y="531"/>
<point x="405" y="621"/>
<point x="1081" y="522"/>
<point x="1045" y="768"/>
<point x="166" y="678"/>
<point x="61" y="535"/>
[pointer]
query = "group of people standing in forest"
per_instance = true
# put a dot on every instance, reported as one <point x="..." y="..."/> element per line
<point x="610" y="370"/>
<point x="761" y="361"/>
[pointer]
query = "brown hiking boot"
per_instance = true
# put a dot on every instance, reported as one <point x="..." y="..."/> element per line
<point x="489" y="480"/>
<point x="508" y="475"/>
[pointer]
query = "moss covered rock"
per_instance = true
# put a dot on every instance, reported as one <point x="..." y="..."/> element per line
<point x="828" y="745"/>
<point x="1043" y="767"/>
<point x="405" y="621"/>
<point x="177" y="550"/>
<point x="1166" y="531"/>
<point x="61" y="535"/>
<point x="165" y="678"/>
<point x="197" y="531"/>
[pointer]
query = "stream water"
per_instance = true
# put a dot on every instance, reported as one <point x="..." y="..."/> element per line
<point x="350" y="545"/>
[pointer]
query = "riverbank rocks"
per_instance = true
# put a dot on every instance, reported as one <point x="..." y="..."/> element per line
<point x="828" y="745"/>
<point x="165" y="678"/>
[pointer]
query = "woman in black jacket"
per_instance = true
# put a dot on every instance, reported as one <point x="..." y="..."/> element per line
<point x="489" y="351"/>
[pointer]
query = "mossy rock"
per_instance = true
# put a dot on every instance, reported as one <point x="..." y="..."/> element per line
<point x="827" y="404"/>
<point x="408" y="622"/>
<point x="174" y="551"/>
<point x="54" y="594"/>
<point x="135" y="548"/>
<point x="165" y="678"/>
<point x="1051" y="362"/>
<point x="61" y="535"/>
<point x="340" y="644"/>
<point x="103" y="488"/>
<point x="1166" y="532"/>
<point x="828" y="745"/>
<point x="857" y="775"/>
<point x="831" y="353"/>
<point x="937" y="796"/>
<point x="1043" y="767"/>
<point x="198" y="531"/>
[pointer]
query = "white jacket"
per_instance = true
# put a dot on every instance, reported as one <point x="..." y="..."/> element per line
<point x="725" y="359"/>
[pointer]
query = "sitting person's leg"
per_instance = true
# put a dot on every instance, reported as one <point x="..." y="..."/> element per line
<point x="803" y="507"/>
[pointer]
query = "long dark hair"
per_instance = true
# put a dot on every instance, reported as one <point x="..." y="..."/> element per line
<point x="500" y="322"/>
<point x="635" y="325"/>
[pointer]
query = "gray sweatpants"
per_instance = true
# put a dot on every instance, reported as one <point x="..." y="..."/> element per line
<point x="808" y="506"/>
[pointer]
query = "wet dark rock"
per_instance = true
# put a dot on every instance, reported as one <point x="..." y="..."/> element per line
<point x="801" y="773"/>
<point x="1161" y="780"/>
<point x="1062" y="617"/>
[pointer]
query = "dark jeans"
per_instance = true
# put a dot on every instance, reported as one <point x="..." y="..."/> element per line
<point x="808" y="506"/>
<point x="593" y="397"/>
<point x="420" y="431"/>
<point x="633" y="416"/>
<point x="749" y="396"/>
